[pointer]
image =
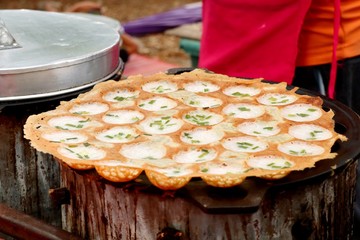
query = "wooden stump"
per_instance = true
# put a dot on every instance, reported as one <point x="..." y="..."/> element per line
<point x="26" y="175"/>
<point x="318" y="209"/>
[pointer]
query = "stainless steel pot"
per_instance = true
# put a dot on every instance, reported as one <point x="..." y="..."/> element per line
<point x="59" y="53"/>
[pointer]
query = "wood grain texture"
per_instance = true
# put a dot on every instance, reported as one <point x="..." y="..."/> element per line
<point x="319" y="209"/>
<point x="26" y="175"/>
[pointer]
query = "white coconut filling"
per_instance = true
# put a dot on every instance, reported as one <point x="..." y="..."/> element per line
<point x="195" y="155"/>
<point x="269" y="162"/>
<point x="174" y="171"/>
<point x="65" y="137"/>
<point x="69" y="123"/>
<point x="309" y="132"/>
<point x="117" y="135"/>
<point x="122" y="117"/>
<point x="89" y="108"/>
<point x="157" y="104"/>
<point x="202" y="118"/>
<point x="276" y="99"/>
<point x="144" y="150"/>
<point x="301" y="112"/>
<point x="202" y="102"/>
<point x="241" y="91"/>
<point x="161" y="125"/>
<point x="201" y="86"/>
<point x="82" y="152"/>
<point x="243" y="110"/>
<point x="160" y="87"/>
<point x="223" y="168"/>
<point x="244" y="144"/>
<point x="201" y="136"/>
<point x="262" y="129"/>
<point x="121" y="95"/>
<point x="298" y="148"/>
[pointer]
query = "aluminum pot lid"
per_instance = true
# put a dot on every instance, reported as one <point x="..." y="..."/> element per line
<point x="47" y="53"/>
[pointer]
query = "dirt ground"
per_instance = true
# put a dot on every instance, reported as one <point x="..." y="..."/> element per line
<point x="158" y="45"/>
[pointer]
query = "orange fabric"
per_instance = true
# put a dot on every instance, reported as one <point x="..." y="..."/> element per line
<point x="317" y="36"/>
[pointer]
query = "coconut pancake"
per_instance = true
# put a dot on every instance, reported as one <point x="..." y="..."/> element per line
<point x="195" y="124"/>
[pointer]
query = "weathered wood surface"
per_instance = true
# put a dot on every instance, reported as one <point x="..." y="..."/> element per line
<point x="21" y="226"/>
<point x="320" y="209"/>
<point x="25" y="174"/>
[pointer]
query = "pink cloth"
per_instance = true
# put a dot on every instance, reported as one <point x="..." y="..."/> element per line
<point x="252" y="38"/>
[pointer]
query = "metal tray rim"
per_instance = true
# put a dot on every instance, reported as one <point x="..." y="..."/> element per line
<point x="65" y="91"/>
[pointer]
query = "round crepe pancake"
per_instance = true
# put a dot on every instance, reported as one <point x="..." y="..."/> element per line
<point x="195" y="124"/>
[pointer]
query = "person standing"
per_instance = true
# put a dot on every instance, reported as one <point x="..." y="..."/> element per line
<point x="329" y="44"/>
<point x="312" y="44"/>
<point x="304" y="43"/>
